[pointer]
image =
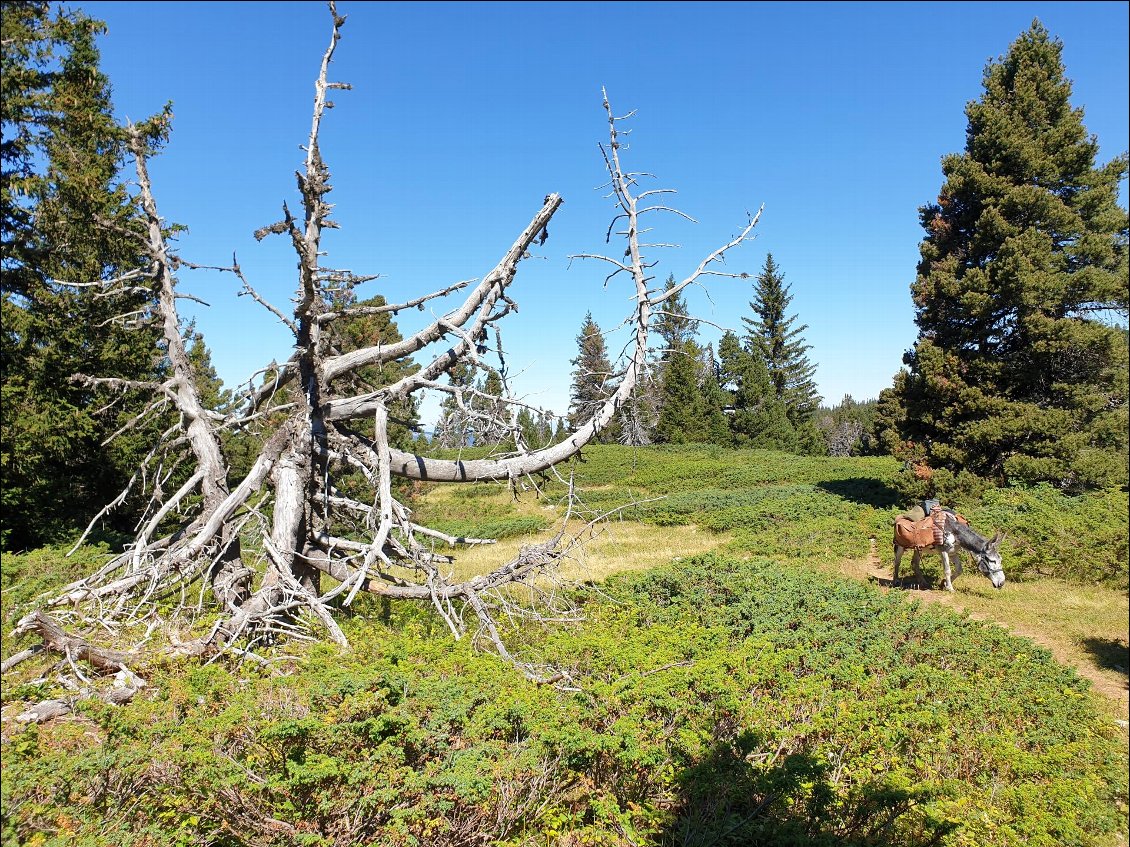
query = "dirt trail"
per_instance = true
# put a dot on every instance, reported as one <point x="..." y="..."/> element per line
<point x="1104" y="682"/>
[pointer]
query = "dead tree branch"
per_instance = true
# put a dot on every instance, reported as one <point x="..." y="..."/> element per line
<point x="264" y="543"/>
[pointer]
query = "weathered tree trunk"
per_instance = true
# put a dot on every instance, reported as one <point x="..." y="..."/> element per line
<point x="289" y="502"/>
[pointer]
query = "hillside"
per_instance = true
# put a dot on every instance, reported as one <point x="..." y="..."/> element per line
<point x="741" y="680"/>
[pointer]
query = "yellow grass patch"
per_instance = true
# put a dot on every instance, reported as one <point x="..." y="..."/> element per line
<point x="609" y="548"/>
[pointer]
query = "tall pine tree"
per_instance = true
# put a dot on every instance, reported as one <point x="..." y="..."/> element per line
<point x="757" y="417"/>
<point x="688" y="399"/>
<point x="782" y="347"/>
<point x="683" y="412"/>
<point x="593" y="380"/>
<point x="1019" y="371"/>
<point x="66" y="219"/>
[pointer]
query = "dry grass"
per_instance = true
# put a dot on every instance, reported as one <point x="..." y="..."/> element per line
<point x="611" y="548"/>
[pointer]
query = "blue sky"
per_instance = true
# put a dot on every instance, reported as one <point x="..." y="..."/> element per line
<point x="462" y="116"/>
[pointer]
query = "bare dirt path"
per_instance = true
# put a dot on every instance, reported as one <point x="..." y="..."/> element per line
<point x="1110" y="683"/>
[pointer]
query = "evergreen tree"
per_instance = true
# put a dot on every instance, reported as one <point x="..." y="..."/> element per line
<point x="545" y="428"/>
<point x="714" y="399"/>
<point x="782" y="346"/>
<point x="686" y="403"/>
<point x="66" y="218"/>
<point x="849" y="428"/>
<point x="758" y="417"/>
<point x="454" y="427"/>
<point x="1017" y="372"/>
<point x="683" y="412"/>
<point x="528" y="425"/>
<point x="486" y="425"/>
<point x="593" y="380"/>
<point x="371" y="329"/>
<point x="639" y="415"/>
<point x="561" y="432"/>
<point x="673" y="323"/>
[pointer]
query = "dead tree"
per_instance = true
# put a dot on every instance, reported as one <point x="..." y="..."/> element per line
<point x="256" y="550"/>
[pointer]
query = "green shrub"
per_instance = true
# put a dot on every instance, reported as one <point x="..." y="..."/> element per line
<point x="721" y="701"/>
<point x="1079" y="539"/>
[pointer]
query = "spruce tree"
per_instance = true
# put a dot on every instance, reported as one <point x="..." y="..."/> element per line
<point x="781" y="345"/>
<point x="683" y="411"/>
<point x="67" y="218"/>
<point x="1019" y="372"/>
<point x="593" y="379"/>
<point x="367" y="323"/>
<point x="673" y="323"/>
<point x="454" y="427"/>
<point x="714" y="398"/>
<point x="688" y="403"/>
<point x="758" y="417"/>
<point x="489" y="411"/>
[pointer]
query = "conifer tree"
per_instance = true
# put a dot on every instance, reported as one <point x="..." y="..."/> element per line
<point x="1019" y="371"/>
<point x="688" y="405"/>
<point x="673" y="323"/>
<point x="67" y="221"/>
<point x="849" y="428"/>
<point x="639" y="415"/>
<point x="782" y="346"/>
<point x="489" y="419"/>
<point x="368" y="323"/>
<point x="715" y="399"/>
<point x="593" y="379"/>
<point x="454" y="428"/>
<point x="758" y="417"/>
<point x="682" y="413"/>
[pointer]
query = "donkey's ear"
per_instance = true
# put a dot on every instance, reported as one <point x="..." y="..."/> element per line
<point x="997" y="539"/>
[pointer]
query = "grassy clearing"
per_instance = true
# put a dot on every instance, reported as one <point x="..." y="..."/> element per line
<point x="823" y="513"/>
<point x="749" y="696"/>
<point x="612" y="546"/>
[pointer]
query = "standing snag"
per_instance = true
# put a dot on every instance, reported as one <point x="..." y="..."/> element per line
<point x="318" y="496"/>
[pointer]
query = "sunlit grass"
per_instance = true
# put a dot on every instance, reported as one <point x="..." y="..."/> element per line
<point x="1084" y="626"/>
<point x="608" y="548"/>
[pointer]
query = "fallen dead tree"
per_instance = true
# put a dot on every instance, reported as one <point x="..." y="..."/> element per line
<point x="255" y="551"/>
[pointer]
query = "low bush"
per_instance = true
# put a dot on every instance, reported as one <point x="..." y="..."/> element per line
<point x="1076" y="538"/>
<point x="720" y="701"/>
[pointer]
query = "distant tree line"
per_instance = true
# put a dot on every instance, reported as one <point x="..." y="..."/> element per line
<point x="753" y="391"/>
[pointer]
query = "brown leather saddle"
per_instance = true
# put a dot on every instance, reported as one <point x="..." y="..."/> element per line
<point x="914" y="533"/>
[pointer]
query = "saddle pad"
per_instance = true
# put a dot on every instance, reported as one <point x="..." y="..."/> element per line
<point x="914" y="534"/>
<point x="928" y="532"/>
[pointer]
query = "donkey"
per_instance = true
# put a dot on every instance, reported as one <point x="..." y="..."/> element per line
<point x="956" y="536"/>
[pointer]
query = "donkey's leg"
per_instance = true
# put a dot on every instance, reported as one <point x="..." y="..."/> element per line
<point x="917" y="562"/>
<point x="898" y="559"/>
<point x="946" y="567"/>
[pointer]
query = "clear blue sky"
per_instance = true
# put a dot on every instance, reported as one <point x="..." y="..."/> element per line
<point x="835" y="116"/>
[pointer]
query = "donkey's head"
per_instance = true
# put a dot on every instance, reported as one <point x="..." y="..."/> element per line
<point x="989" y="560"/>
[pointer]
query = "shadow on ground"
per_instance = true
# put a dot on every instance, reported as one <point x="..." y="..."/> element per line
<point x="863" y="490"/>
<point x="731" y="798"/>
<point x="1110" y="654"/>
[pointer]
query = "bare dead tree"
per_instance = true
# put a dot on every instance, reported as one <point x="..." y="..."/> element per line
<point x="261" y="546"/>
